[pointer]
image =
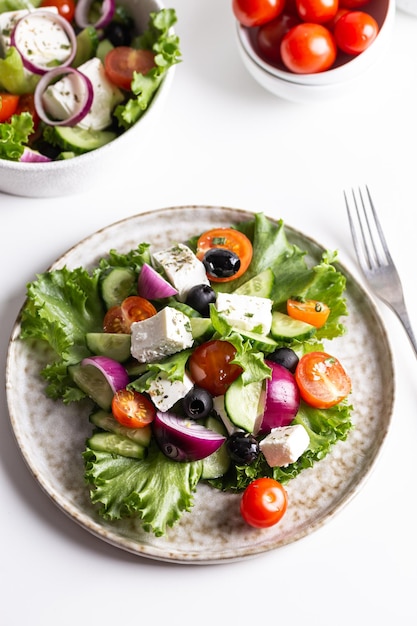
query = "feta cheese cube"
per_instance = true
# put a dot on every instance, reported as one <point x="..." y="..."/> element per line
<point x="246" y="312"/>
<point x="60" y="99"/>
<point x="284" y="445"/>
<point x="159" y="336"/>
<point x="165" y="393"/>
<point x="182" y="268"/>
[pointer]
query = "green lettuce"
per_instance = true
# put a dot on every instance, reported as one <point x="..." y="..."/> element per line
<point x="14" y="136"/>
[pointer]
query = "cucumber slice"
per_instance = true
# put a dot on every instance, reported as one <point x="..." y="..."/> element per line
<point x="87" y="42"/>
<point x="245" y="404"/>
<point x="116" y="444"/>
<point x="117" y="284"/>
<point x="216" y="464"/>
<point x="114" y="345"/>
<point x="93" y="383"/>
<point x="80" y="140"/>
<point x="260" y="285"/>
<point x="259" y="342"/>
<point x="104" y="46"/>
<point x="106" y="421"/>
<point x="285" y="328"/>
<point x="201" y="327"/>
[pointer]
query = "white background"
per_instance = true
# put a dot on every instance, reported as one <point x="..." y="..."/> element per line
<point x="223" y="140"/>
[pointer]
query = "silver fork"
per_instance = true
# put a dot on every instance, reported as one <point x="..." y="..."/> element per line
<point x="374" y="257"/>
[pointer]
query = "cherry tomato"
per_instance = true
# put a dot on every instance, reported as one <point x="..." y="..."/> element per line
<point x="263" y="503"/>
<point x="355" y="31"/>
<point x="8" y="105"/>
<point x="120" y="318"/>
<point x="330" y="25"/>
<point x="317" y="11"/>
<point x="321" y="379"/>
<point x="121" y="62"/>
<point x="310" y="311"/>
<point x="211" y="366"/>
<point x="230" y="239"/>
<point x="256" y="12"/>
<point x="269" y="36"/>
<point x="132" y="409"/>
<point x="308" y="48"/>
<point x="353" y="4"/>
<point x="66" y="8"/>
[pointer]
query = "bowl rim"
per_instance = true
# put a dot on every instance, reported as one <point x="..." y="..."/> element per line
<point x="334" y="74"/>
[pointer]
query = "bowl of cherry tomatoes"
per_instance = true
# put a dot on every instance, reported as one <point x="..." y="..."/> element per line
<point x="63" y="128"/>
<point x="304" y="50"/>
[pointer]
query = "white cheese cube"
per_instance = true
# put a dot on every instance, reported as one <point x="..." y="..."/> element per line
<point x="165" y="393"/>
<point x="159" y="336"/>
<point x="284" y="445"/>
<point x="60" y="99"/>
<point x="182" y="268"/>
<point x="246" y="312"/>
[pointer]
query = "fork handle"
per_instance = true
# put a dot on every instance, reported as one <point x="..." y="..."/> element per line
<point x="402" y="315"/>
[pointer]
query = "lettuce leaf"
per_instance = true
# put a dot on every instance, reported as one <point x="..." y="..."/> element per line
<point x="156" y="489"/>
<point x="14" y="136"/>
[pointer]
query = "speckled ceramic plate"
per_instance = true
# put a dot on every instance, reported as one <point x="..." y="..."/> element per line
<point x="213" y="531"/>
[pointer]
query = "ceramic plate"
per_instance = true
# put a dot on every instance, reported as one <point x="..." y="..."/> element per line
<point x="213" y="531"/>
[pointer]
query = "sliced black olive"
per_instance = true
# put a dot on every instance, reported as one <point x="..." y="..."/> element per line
<point x="200" y="297"/>
<point x="221" y="263"/>
<point x="243" y="448"/>
<point x="285" y="357"/>
<point x="198" y="403"/>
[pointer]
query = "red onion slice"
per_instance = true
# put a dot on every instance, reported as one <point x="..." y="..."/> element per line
<point x="82" y="13"/>
<point x="113" y="371"/>
<point x="152" y="285"/>
<point x="33" y="156"/>
<point x="83" y="102"/>
<point x="27" y="24"/>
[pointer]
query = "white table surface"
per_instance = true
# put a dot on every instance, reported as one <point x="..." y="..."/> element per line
<point x="225" y="141"/>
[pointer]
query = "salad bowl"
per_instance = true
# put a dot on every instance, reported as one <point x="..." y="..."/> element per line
<point x="82" y="172"/>
<point x="213" y="530"/>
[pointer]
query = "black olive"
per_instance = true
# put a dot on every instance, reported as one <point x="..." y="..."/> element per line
<point x="197" y="403"/>
<point x="243" y="448"/>
<point x="118" y="34"/>
<point x="200" y="297"/>
<point x="221" y="263"/>
<point x="285" y="357"/>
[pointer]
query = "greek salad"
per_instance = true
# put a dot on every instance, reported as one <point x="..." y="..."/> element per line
<point x="202" y="362"/>
<point x="76" y="75"/>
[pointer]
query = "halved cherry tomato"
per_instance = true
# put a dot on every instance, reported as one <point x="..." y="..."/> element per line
<point x="66" y="8"/>
<point x="308" y="48"/>
<point x="321" y="379"/>
<point x="256" y="12"/>
<point x="8" y="105"/>
<point x="120" y="318"/>
<point x="230" y="239"/>
<point x="317" y="11"/>
<point x="121" y="62"/>
<point x="355" y="31"/>
<point x="263" y="503"/>
<point x="132" y="409"/>
<point x="211" y="366"/>
<point x="311" y="311"/>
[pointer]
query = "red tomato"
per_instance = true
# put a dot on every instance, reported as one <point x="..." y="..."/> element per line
<point x="132" y="409"/>
<point x="256" y="12"/>
<point x="263" y="503"/>
<point x="8" y="105"/>
<point x="66" y="8"/>
<point x="321" y="379"/>
<point x="339" y="14"/>
<point x="121" y="62"/>
<point x="230" y="239"/>
<point x="310" y="311"/>
<point x="353" y="4"/>
<point x="269" y="36"/>
<point x="317" y="11"/>
<point x="355" y="31"/>
<point x="308" y="48"/>
<point x="211" y="366"/>
<point x="120" y="318"/>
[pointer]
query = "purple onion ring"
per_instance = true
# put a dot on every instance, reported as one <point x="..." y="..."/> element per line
<point x="83" y="107"/>
<point x="82" y="12"/>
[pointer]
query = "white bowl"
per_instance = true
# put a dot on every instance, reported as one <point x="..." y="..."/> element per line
<point x="60" y="178"/>
<point x="339" y="79"/>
